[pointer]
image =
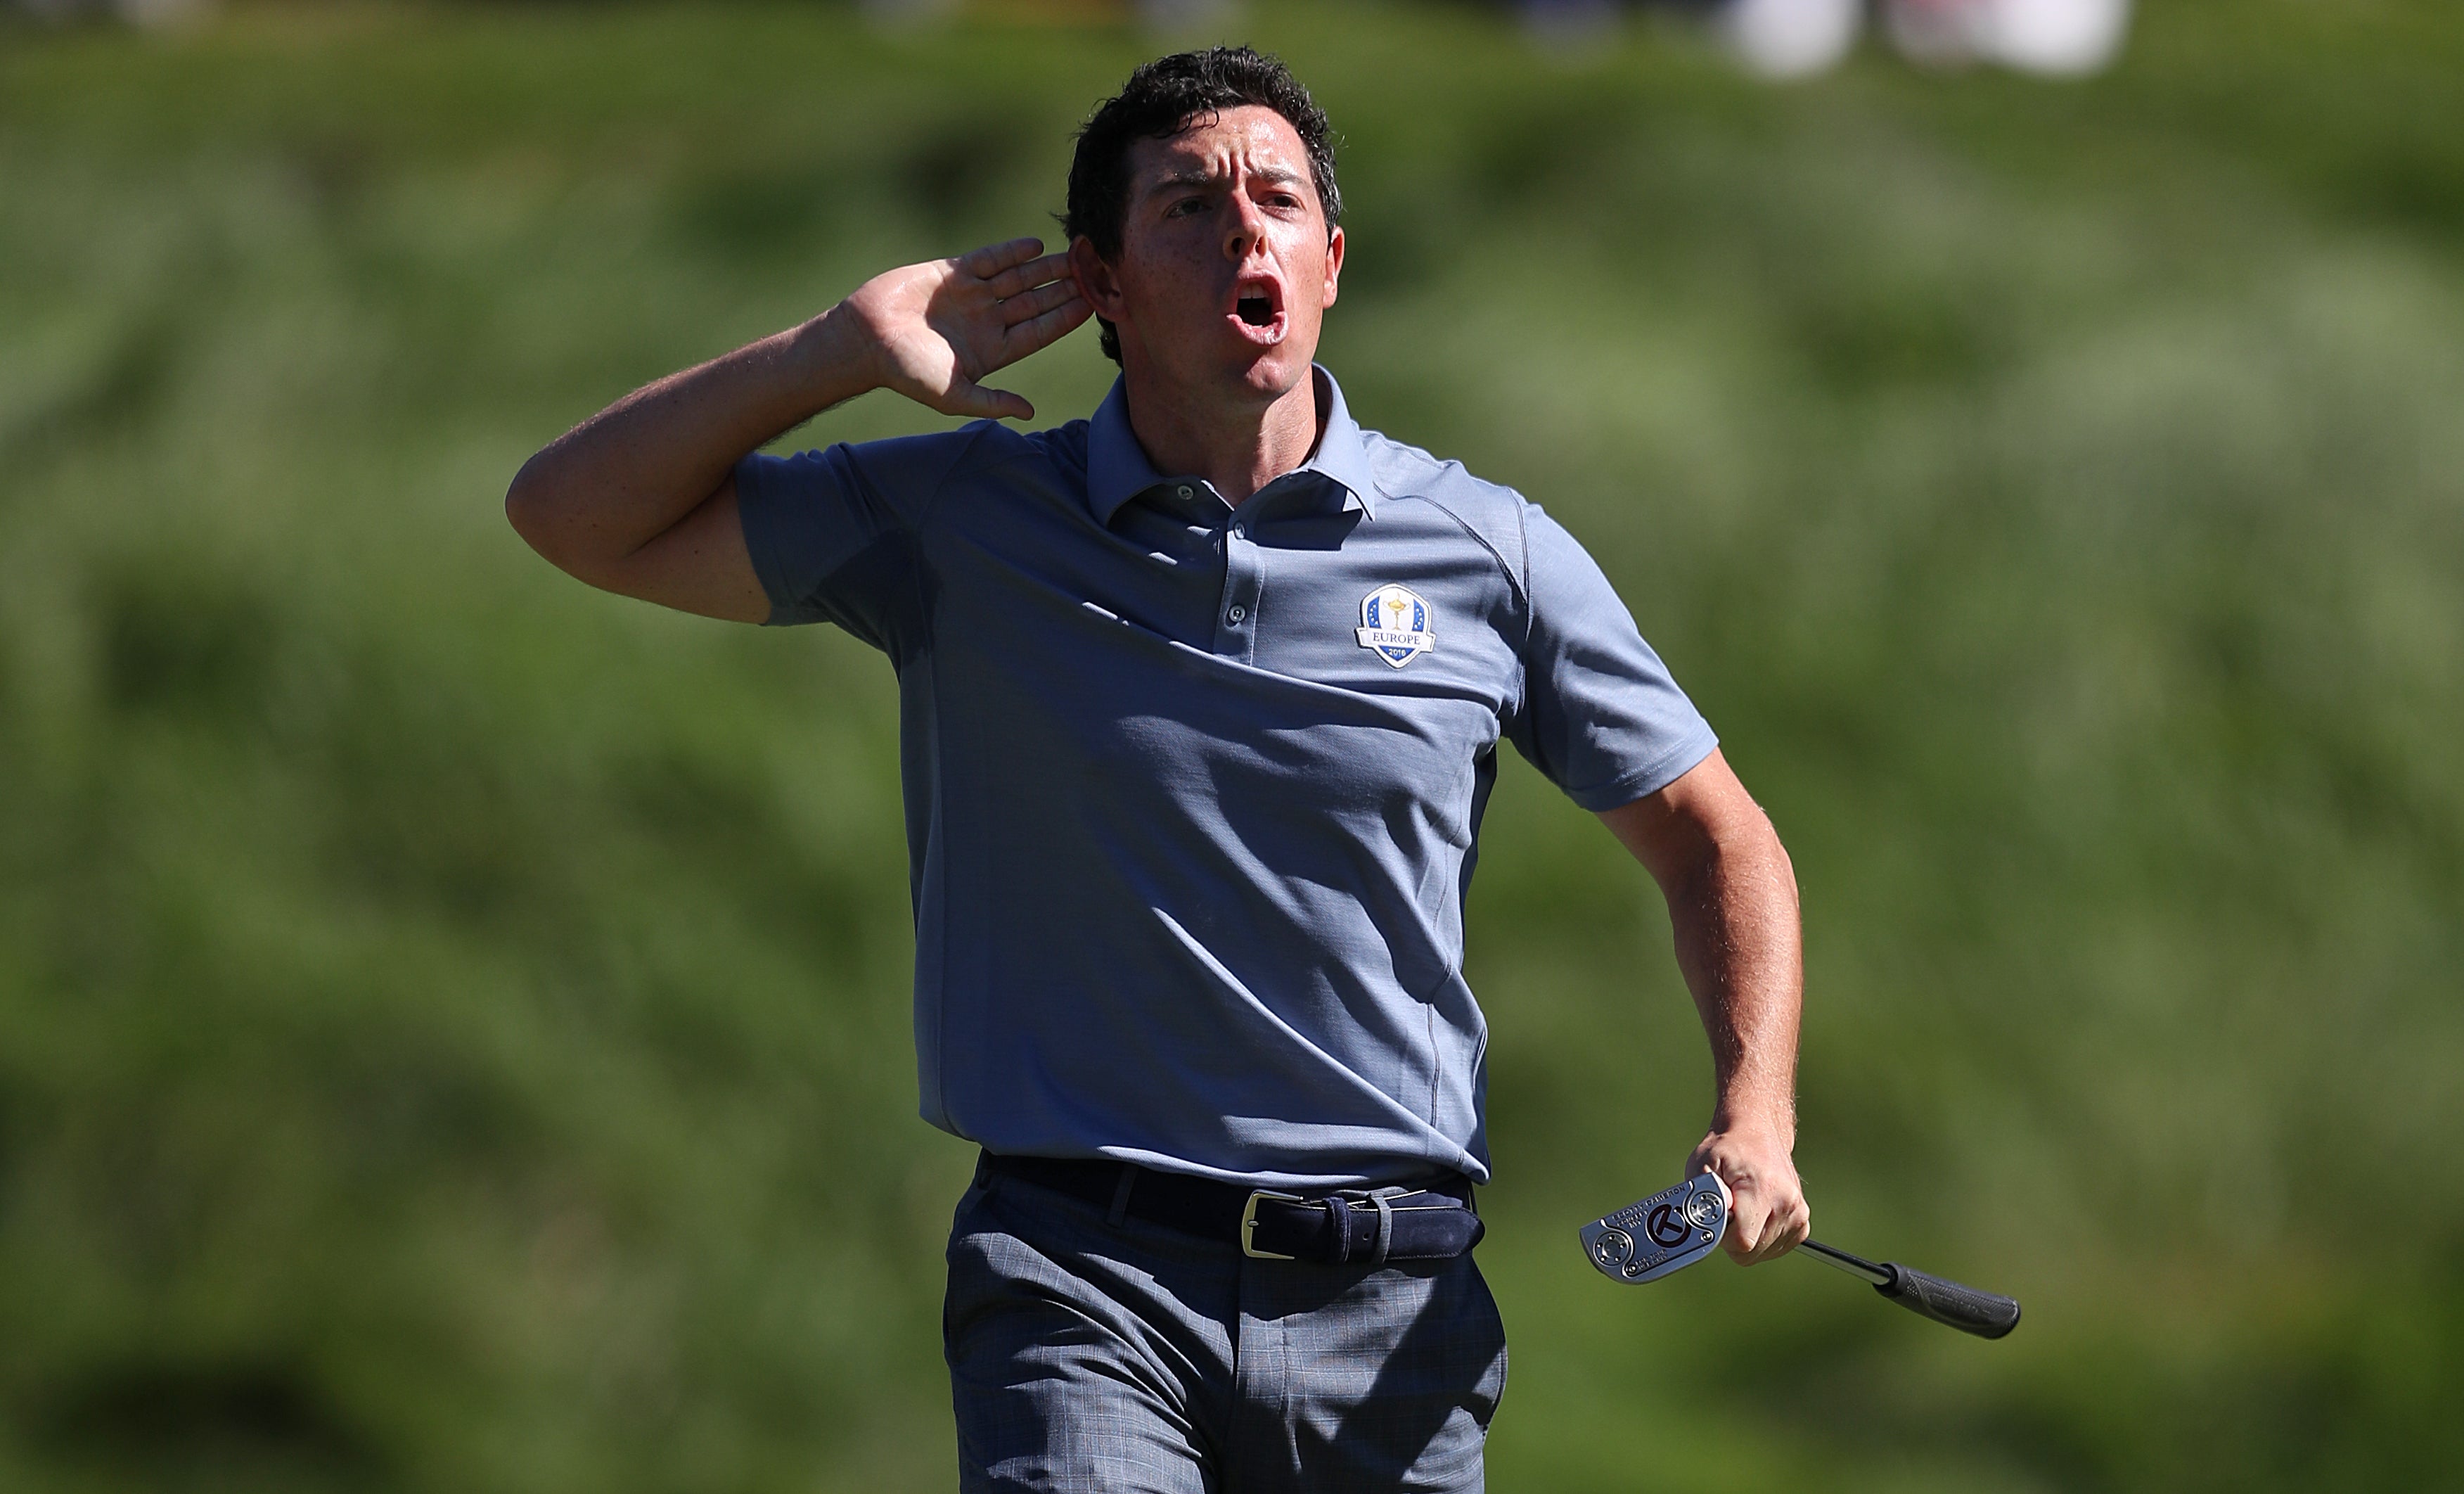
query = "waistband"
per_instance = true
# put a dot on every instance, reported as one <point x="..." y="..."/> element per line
<point x="1341" y="1227"/>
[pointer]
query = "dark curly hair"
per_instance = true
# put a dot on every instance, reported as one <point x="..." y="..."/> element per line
<point x="1164" y="98"/>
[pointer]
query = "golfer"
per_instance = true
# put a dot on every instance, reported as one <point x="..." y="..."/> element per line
<point x="1201" y="702"/>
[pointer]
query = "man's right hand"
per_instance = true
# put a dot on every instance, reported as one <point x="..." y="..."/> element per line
<point x="929" y="331"/>
<point x="640" y="499"/>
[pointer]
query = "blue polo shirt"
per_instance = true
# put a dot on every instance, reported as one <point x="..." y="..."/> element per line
<point x="1194" y="789"/>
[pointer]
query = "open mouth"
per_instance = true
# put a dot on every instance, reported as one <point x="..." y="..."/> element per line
<point x="1257" y="310"/>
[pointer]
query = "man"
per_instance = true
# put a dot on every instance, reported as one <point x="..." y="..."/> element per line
<point x="1200" y="701"/>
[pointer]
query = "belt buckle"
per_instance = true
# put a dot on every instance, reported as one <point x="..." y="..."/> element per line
<point x="1249" y="1224"/>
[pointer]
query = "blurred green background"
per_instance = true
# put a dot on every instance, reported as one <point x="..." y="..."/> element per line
<point x="453" y="1025"/>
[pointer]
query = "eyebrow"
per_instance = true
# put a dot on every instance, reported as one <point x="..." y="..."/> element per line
<point x="1276" y="175"/>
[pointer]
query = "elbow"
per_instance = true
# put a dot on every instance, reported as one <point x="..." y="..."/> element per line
<point x="1764" y="844"/>
<point x="553" y="515"/>
<point x="528" y="506"/>
<point x="522" y="500"/>
<point x="1738" y="845"/>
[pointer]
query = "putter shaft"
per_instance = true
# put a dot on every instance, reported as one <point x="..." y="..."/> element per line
<point x="1855" y="1266"/>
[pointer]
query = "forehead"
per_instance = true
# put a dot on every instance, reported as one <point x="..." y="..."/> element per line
<point x="1250" y="135"/>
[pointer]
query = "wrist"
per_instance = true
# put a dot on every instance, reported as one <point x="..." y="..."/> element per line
<point x="1773" y="1117"/>
<point x="834" y="356"/>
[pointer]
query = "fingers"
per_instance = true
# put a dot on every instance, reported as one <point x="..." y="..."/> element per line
<point x="1039" y="332"/>
<point x="993" y="258"/>
<point x="967" y="397"/>
<point x="1744" y="1231"/>
<point x="1771" y="1229"/>
<point x="1792" y="1231"/>
<point x="1768" y="1214"/>
<point x="1018" y="279"/>
<point x="1784" y="1228"/>
<point x="1027" y="306"/>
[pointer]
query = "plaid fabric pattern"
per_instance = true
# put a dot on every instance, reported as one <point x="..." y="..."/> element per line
<point x="1094" y="1358"/>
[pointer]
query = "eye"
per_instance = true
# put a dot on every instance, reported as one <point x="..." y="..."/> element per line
<point x="1184" y="205"/>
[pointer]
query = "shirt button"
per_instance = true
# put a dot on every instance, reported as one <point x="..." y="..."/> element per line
<point x="1239" y="613"/>
<point x="1183" y="493"/>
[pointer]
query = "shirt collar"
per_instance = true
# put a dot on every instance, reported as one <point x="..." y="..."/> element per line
<point x="1117" y="468"/>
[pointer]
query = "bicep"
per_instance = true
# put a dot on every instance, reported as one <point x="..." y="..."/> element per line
<point x="697" y="564"/>
<point x="1684" y="827"/>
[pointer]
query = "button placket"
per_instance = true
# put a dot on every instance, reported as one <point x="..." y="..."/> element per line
<point x="1235" y="618"/>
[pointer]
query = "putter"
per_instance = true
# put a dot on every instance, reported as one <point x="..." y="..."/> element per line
<point x="1666" y="1231"/>
<point x="1676" y="1227"/>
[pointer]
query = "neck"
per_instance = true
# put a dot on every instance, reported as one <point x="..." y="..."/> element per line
<point x="1239" y="446"/>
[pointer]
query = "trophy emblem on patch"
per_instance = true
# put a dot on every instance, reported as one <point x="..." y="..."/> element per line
<point x="1395" y="625"/>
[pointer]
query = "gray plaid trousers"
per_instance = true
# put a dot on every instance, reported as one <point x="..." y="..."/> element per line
<point x="1094" y="1358"/>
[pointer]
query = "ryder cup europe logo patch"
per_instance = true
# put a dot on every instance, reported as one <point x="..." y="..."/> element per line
<point x="1395" y="625"/>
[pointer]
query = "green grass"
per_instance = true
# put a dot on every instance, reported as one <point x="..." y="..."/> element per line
<point x="452" y="1025"/>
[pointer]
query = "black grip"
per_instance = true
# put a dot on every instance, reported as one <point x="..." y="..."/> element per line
<point x="1963" y="1307"/>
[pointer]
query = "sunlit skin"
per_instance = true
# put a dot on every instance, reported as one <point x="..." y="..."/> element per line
<point x="1224" y="211"/>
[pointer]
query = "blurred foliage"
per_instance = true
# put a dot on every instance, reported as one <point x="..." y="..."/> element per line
<point x="452" y="1025"/>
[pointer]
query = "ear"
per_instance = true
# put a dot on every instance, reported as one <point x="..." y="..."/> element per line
<point x="1096" y="280"/>
<point x="1334" y="267"/>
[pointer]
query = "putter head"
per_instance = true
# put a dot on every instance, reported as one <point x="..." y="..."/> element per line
<point x="1666" y="1231"/>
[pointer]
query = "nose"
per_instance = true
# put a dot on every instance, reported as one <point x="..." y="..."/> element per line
<point x="1246" y="231"/>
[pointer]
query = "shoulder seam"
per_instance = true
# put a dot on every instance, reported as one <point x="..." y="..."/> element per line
<point x="1530" y="609"/>
<point x="1522" y="536"/>
<point x="1504" y="569"/>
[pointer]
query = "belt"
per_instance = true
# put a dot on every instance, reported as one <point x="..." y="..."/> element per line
<point x="1348" y="1226"/>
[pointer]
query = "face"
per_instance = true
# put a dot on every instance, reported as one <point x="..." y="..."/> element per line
<point x="1227" y="267"/>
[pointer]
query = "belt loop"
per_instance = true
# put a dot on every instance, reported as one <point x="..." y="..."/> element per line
<point x="1339" y="1209"/>
<point x="1385" y="1228"/>
<point x="1121" y="1194"/>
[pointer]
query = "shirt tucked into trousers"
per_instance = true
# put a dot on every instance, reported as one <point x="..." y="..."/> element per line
<point x="1194" y="793"/>
<point x="1088" y="1357"/>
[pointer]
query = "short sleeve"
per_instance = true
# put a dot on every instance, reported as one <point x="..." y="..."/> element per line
<point x="1600" y="717"/>
<point x="832" y="534"/>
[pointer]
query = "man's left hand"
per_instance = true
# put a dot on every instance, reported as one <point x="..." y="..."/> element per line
<point x="1768" y="1216"/>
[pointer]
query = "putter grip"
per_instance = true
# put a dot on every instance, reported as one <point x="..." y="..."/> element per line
<point x="1963" y="1307"/>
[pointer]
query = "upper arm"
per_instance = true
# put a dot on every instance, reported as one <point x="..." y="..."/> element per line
<point x="833" y="535"/>
<point x="1683" y="826"/>
<point x="818" y="536"/>
<point x="697" y="564"/>
<point x="1599" y="714"/>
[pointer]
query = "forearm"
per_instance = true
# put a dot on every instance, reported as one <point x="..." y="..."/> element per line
<point x="1732" y="901"/>
<point x="1739" y="947"/>
<point x="598" y="493"/>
